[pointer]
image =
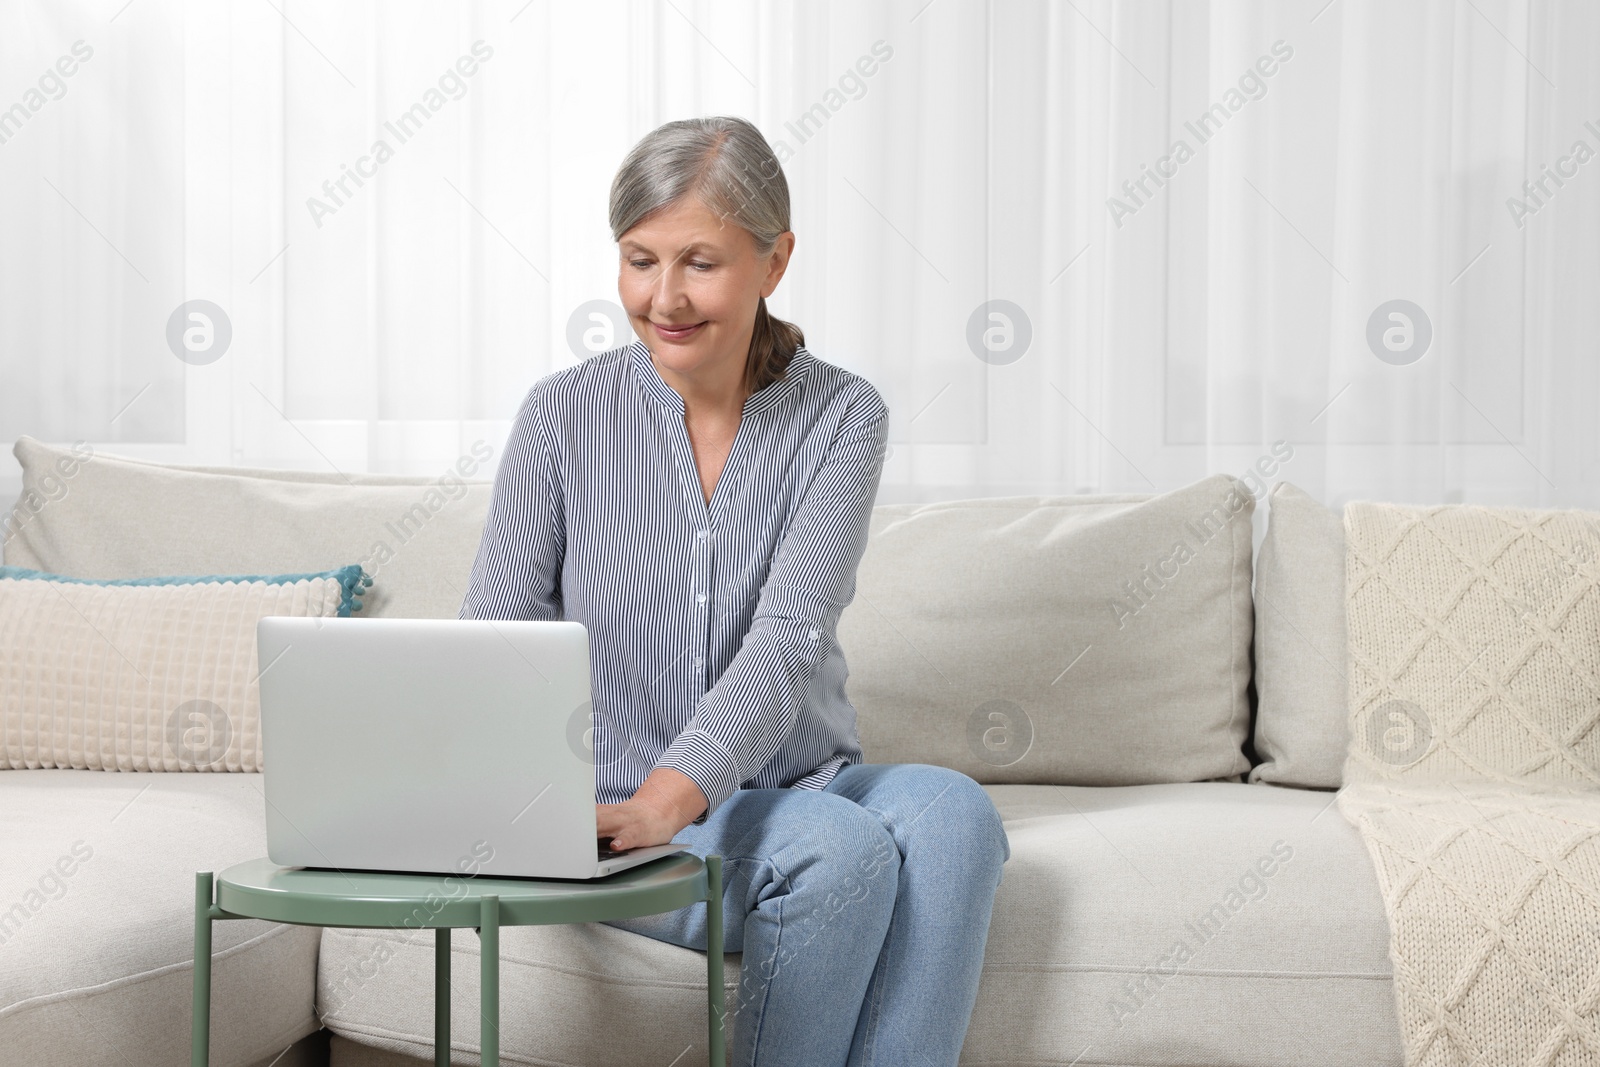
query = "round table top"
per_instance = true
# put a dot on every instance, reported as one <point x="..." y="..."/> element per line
<point x="260" y="889"/>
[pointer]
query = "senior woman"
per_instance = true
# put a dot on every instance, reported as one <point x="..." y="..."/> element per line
<point x="699" y="500"/>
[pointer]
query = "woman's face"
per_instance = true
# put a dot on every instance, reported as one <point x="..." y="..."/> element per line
<point x="690" y="282"/>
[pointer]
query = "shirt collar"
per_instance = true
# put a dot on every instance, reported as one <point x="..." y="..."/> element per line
<point x="666" y="396"/>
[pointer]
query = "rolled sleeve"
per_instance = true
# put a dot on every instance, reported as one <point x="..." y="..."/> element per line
<point x="743" y="720"/>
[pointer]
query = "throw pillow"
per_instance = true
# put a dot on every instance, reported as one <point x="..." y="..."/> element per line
<point x="106" y="516"/>
<point x="153" y="674"/>
<point x="1474" y="644"/>
<point x="1300" y="732"/>
<point x="1095" y="640"/>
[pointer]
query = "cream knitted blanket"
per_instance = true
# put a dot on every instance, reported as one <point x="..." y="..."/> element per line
<point x="1473" y="773"/>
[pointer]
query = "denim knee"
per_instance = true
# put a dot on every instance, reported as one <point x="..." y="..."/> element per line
<point x="964" y="809"/>
<point x="842" y="842"/>
<point x="838" y="871"/>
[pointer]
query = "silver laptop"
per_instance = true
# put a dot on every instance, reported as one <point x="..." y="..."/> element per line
<point x="432" y="745"/>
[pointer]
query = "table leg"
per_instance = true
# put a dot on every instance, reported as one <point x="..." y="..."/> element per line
<point x="200" y="1022"/>
<point x="489" y="973"/>
<point x="441" y="997"/>
<point x="718" y="1032"/>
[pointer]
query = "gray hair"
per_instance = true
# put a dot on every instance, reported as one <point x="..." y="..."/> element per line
<point x="726" y="163"/>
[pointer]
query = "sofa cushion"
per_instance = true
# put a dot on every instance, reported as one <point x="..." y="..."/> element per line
<point x="1283" y="959"/>
<point x="150" y="674"/>
<point x="115" y="517"/>
<point x="1474" y="644"/>
<point x="1301" y="731"/>
<point x="97" y="926"/>
<point x="1069" y="640"/>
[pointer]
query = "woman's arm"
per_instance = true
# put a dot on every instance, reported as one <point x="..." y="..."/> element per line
<point x="517" y="572"/>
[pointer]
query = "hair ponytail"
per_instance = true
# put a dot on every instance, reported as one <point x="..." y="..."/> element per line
<point x="773" y="344"/>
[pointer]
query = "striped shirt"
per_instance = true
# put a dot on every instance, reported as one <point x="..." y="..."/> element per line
<point x="711" y="627"/>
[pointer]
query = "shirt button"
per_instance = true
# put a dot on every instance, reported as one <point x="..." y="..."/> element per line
<point x="815" y="634"/>
<point x="701" y="597"/>
<point x="697" y="661"/>
<point x="701" y="534"/>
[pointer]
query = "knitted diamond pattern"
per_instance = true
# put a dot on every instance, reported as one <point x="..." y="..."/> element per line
<point x="1473" y="773"/>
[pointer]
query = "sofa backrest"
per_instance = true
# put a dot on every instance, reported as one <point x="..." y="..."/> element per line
<point x="1091" y="640"/>
<point x="108" y="516"/>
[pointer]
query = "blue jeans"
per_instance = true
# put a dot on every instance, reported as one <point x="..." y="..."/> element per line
<point x="862" y="910"/>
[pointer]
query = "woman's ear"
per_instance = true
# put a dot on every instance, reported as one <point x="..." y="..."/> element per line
<point x="778" y="262"/>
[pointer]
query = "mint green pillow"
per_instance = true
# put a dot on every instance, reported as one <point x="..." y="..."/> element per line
<point x="353" y="581"/>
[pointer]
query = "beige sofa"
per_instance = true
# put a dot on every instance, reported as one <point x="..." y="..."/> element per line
<point x="1160" y="733"/>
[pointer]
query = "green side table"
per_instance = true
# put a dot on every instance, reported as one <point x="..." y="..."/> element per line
<point x="260" y="889"/>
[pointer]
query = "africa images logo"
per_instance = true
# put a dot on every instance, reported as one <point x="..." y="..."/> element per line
<point x="1251" y="86"/>
<point x="337" y="191"/>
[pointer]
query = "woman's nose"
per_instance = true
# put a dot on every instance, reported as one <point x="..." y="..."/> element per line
<point x="669" y="290"/>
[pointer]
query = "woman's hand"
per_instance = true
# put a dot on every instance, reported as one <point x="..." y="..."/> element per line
<point x="666" y="802"/>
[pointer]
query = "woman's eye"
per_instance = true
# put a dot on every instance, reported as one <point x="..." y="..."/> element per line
<point x="642" y="264"/>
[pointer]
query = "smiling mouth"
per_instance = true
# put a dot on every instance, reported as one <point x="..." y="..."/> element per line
<point x="676" y="333"/>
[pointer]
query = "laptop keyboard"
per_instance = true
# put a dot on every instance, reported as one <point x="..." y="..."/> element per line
<point x="609" y="854"/>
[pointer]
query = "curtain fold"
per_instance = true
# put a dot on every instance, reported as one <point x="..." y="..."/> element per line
<point x="1087" y="247"/>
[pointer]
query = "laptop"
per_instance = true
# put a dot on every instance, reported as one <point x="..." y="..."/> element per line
<point x="450" y="746"/>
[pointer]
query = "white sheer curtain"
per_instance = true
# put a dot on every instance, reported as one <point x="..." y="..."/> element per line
<point x="940" y="155"/>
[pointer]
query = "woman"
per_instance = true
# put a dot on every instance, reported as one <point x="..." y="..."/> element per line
<point x="699" y="500"/>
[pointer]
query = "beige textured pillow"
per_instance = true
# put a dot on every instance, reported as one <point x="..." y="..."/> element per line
<point x="1301" y="733"/>
<point x="105" y="516"/>
<point x="1474" y="644"/>
<point x="1070" y="640"/>
<point x="142" y="677"/>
